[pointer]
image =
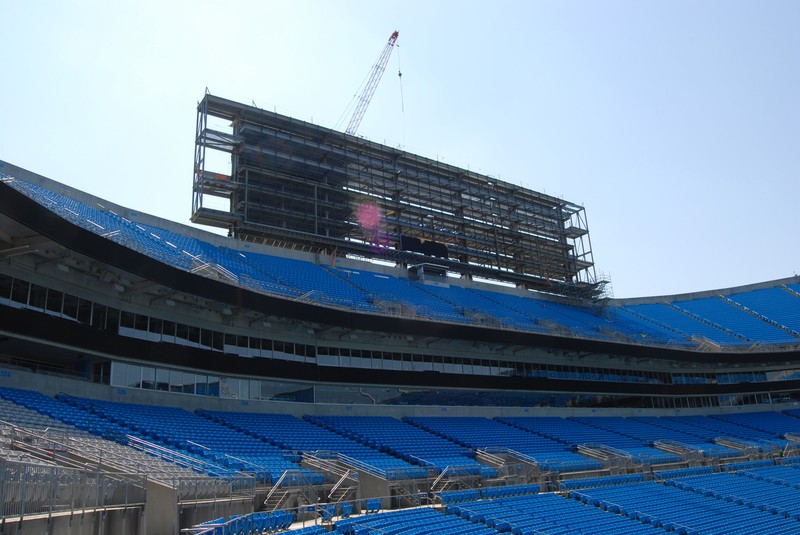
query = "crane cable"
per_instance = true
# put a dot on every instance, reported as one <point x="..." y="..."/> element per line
<point x="402" y="102"/>
<point x="400" y="76"/>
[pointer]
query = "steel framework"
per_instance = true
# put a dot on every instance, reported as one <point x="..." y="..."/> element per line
<point x="294" y="184"/>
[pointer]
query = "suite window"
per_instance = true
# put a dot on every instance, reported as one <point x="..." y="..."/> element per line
<point x="19" y="291"/>
<point x="71" y="306"/>
<point x="54" y="301"/>
<point x="5" y="286"/>
<point x="38" y="295"/>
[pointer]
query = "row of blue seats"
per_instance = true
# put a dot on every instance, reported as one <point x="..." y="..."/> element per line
<point x="458" y="496"/>
<point x="250" y="524"/>
<point x="420" y="521"/>
<point x="509" y="490"/>
<point x="684" y="472"/>
<point x="572" y="484"/>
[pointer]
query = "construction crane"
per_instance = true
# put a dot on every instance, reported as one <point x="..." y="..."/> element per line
<point x="369" y="89"/>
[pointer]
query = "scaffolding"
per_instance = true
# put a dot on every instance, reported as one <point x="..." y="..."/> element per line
<point x="292" y="182"/>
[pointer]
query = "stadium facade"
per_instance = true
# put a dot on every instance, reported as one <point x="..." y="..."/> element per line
<point x="357" y="281"/>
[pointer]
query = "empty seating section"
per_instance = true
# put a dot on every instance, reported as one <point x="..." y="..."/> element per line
<point x="687" y="325"/>
<point x="774" y="423"/>
<point x="253" y="523"/>
<point x="713" y="428"/>
<point x="684" y="511"/>
<point x="777" y="304"/>
<point x="312" y="281"/>
<point x="746" y="497"/>
<point x="210" y="441"/>
<point x="639" y="437"/>
<point x="223" y="263"/>
<point x="492" y="304"/>
<point x="578" y="432"/>
<point x="18" y="407"/>
<point x="392" y="292"/>
<point x="408" y="442"/>
<point x="748" y="491"/>
<point x="685" y="435"/>
<point x="547" y="514"/>
<point x="579" y="321"/>
<point x="293" y="434"/>
<point x="646" y="330"/>
<point x="30" y="410"/>
<point x="411" y="522"/>
<point x="481" y="433"/>
<point x="787" y="475"/>
<point x="82" y="421"/>
<point x="736" y="320"/>
<point x="764" y="316"/>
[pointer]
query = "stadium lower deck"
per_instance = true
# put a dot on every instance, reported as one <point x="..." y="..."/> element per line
<point x="724" y="473"/>
<point x="157" y="379"/>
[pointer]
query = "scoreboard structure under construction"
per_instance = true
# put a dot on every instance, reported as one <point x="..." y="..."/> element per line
<point x="295" y="184"/>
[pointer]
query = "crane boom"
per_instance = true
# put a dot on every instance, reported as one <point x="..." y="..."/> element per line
<point x="372" y="84"/>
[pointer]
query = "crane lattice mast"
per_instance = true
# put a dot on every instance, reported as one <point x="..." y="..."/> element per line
<point x="369" y="89"/>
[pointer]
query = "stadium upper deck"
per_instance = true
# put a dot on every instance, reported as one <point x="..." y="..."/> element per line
<point x="342" y="321"/>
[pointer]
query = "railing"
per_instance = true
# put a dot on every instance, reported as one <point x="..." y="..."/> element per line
<point x="746" y="448"/>
<point x="350" y="477"/>
<point x="523" y="457"/>
<point x="362" y="466"/>
<point x="608" y="455"/>
<point x="212" y="481"/>
<point x="490" y="457"/>
<point x="455" y="474"/>
<point x="175" y="457"/>
<point x="792" y="437"/>
<point x="27" y="489"/>
<point x="686" y="452"/>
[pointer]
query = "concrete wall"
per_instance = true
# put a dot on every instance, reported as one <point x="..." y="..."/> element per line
<point x="104" y="522"/>
<point x="52" y="385"/>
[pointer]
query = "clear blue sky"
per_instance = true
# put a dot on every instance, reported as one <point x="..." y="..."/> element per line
<point x="676" y="123"/>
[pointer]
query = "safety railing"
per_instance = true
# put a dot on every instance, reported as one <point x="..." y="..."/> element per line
<point x="28" y="489"/>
